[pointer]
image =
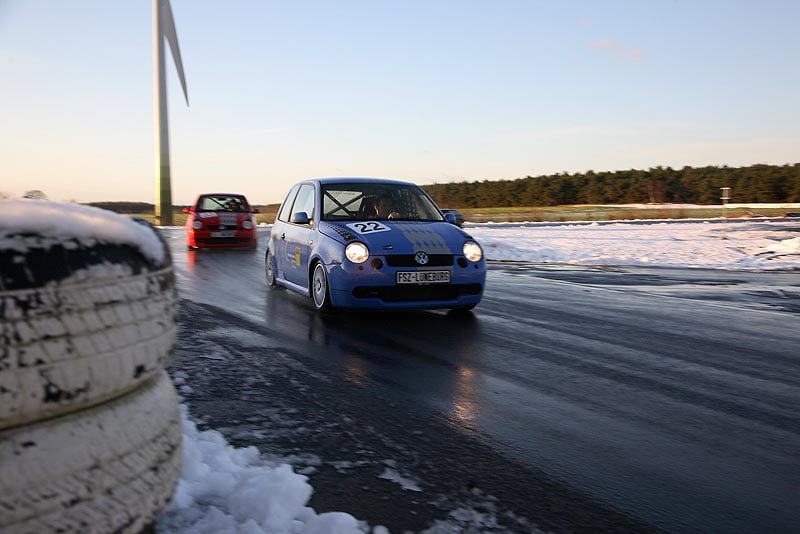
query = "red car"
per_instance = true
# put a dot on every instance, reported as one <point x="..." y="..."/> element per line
<point x="221" y="220"/>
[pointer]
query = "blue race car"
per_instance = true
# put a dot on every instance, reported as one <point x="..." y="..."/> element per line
<point x="372" y="243"/>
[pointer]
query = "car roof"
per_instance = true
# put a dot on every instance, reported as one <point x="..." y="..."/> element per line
<point x="357" y="179"/>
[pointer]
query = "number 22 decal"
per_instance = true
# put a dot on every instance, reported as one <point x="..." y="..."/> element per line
<point x="368" y="227"/>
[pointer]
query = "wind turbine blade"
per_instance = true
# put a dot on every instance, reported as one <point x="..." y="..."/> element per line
<point x="172" y="38"/>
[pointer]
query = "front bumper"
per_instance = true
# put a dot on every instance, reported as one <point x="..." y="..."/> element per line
<point x="373" y="285"/>
<point x="204" y="239"/>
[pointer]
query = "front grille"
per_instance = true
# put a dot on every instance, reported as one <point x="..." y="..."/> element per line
<point x="407" y="260"/>
<point x="215" y="227"/>
<point x="416" y="293"/>
<point x="223" y="240"/>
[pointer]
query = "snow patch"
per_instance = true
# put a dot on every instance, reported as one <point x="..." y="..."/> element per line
<point x="404" y="482"/>
<point x="86" y="224"/>
<point x="228" y="489"/>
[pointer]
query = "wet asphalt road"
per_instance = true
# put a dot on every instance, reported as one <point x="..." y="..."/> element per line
<point x="573" y="399"/>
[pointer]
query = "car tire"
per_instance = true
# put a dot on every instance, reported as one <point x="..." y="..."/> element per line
<point x="320" y="292"/>
<point x="269" y="269"/>
<point x="79" y="324"/>
<point x="109" y="468"/>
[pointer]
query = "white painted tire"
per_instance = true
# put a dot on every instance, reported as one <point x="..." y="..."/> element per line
<point x="79" y="325"/>
<point x="110" y="468"/>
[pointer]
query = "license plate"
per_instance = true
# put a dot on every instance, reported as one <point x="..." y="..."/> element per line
<point x="224" y="233"/>
<point x="423" y="277"/>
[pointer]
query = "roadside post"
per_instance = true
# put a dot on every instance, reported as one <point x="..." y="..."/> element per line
<point x="726" y="196"/>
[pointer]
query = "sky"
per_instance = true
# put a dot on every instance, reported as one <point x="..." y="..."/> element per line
<point x="228" y="489"/>
<point x="428" y="91"/>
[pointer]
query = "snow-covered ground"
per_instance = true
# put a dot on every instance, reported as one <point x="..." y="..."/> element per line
<point x="225" y="489"/>
<point x="752" y="244"/>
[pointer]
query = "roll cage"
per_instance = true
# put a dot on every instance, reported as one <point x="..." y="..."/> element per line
<point x="354" y="202"/>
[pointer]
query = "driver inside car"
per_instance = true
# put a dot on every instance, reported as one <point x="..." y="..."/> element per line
<point x="384" y="208"/>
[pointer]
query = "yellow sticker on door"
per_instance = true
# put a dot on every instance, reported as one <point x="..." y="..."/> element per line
<point x="297" y="256"/>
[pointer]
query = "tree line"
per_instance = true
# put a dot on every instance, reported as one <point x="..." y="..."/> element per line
<point x="124" y="206"/>
<point x="759" y="183"/>
<point x="140" y="207"/>
<point x="690" y="185"/>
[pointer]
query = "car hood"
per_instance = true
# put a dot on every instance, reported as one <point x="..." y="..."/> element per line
<point x="401" y="237"/>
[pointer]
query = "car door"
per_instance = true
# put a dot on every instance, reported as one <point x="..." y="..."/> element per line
<point x="298" y="235"/>
<point x="278" y="240"/>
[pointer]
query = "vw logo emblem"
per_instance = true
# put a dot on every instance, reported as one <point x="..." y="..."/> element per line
<point x="421" y="258"/>
<point x="221" y="226"/>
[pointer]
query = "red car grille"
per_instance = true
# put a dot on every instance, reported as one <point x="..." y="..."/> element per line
<point x="223" y="240"/>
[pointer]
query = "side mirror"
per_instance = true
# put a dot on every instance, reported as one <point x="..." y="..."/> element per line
<point x="187" y="210"/>
<point x="300" y="217"/>
<point x="450" y="217"/>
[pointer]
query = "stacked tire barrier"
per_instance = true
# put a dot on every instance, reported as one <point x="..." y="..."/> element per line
<point x="89" y="420"/>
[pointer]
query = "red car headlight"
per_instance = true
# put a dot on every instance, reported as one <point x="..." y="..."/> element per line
<point x="197" y="225"/>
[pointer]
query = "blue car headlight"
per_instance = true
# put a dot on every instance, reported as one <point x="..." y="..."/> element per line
<point x="356" y="252"/>
<point x="472" y="251"/>
<point x="197" y="225"/>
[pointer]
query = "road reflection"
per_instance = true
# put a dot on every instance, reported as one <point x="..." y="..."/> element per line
<point x="431" y="354"/>
<point x="191" y="261"/>
<point x="464" y="396"/>
<point x="355" y="369"/>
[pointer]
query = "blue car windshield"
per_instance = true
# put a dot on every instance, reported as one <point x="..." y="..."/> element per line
<point x="364" y="201"/>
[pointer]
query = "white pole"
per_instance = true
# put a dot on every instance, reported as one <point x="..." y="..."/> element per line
<point x="726" y="195"/>
<point x="163" y="209"/>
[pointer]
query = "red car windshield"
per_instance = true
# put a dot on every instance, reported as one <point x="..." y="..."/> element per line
<point x="222" y="203"/>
